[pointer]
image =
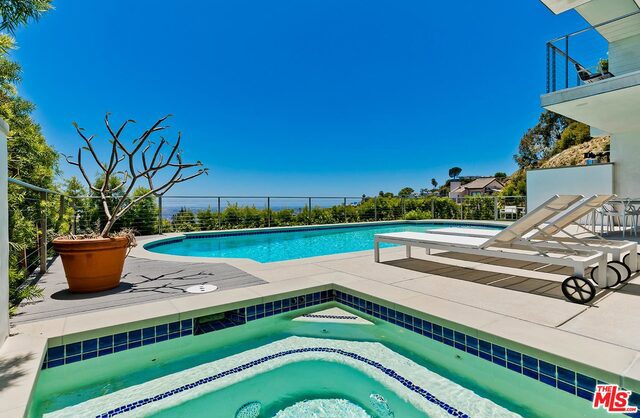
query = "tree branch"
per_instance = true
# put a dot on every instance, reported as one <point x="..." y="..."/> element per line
<point x="127" y="179"/>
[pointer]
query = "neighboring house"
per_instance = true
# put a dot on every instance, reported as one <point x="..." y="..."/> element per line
<point x="601" y="89"/>
<point x="478" y="187"/>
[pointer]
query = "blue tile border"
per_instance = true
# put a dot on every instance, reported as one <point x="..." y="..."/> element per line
<point x="389" y="372"/>
<point x="553" y="375"/>
<point x="109" y="344"/>
<point x="225" y="320"/>
<point x="346" y="317"/>
<point x="540" y="370"/>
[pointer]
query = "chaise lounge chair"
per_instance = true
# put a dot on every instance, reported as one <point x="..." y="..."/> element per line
<point x="555" y="235"/>
<point x="511" y="244"/>
<point x="588" y="77"/>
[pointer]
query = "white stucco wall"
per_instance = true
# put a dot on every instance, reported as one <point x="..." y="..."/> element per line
<point x="625" y="154"/>
<point x="624" y="55"/>
<point x="4" y="236"/>
<point x="586" y="180"/>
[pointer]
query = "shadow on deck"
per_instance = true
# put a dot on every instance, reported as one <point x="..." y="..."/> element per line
<point x="143" y="281"/>
<point x="540" y="287"/>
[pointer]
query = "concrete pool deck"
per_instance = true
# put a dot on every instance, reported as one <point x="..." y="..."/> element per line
<point x="518" y="303"/>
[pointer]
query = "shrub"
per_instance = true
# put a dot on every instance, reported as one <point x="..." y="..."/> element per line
<point x="575" y="133"/>
<point x="416" y="215"/>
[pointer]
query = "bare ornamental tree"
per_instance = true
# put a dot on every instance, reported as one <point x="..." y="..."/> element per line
<point x="143" y="161"/>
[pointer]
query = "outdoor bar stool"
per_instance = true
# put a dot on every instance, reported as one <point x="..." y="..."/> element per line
<point x="634" y="213"/>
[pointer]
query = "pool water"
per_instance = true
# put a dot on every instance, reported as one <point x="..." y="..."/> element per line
<point x="293" y="384"/>
<point x="342" y="367"/>
<point x="269" y="246"/>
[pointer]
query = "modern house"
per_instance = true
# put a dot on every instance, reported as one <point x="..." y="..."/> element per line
<point x="478" y="187"/>
<point x="593" y="76"/>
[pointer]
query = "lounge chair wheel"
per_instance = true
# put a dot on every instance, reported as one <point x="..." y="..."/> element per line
<point x="622" y="268"/>
<point x="613" y="276"/>
<point x="578" y="289"/>
<point x="626" y="259"/>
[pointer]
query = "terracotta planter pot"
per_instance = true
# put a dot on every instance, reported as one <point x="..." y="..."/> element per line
<point x="94" y="264"/>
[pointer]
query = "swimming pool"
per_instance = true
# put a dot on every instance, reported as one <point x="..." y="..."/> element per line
<point x="304" y="362"/>
<point x="285" y="243"/>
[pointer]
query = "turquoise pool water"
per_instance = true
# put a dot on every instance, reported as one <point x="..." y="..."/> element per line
<point x="267" y="246"/>
<point x="313" y="383"/>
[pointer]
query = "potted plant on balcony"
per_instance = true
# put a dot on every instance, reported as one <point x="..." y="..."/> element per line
<point x="603" y="66"/>
<point x="93" y="262"/>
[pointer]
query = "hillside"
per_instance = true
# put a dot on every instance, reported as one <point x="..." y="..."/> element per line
<point x="575" y="154"/>
<point x="517" y="184"/>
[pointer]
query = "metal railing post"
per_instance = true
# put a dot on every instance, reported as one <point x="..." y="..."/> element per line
<point x="375" y="208"/>
<point x="553" y="69"/>
<point x="159" y="214"/>
<point x="495" y="208"/>
<point x="402" y="206"/>
<point x="548" y="68"/>
<point x="344" y="204"/>
<point x="309" y="212"/>
<point x="219" y="217"/>
<point x="42" y="247"/>
<point x="268" y="211"/>
<point x="74" y="224"/>
<point x="433" y="209"/>
<point x="566" y="62"/>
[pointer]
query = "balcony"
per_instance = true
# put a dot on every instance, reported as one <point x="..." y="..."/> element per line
<point x="595" y="53"/>
<point x="593" y="75"/>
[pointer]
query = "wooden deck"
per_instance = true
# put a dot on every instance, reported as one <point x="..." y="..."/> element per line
<point x="143" y="281"/>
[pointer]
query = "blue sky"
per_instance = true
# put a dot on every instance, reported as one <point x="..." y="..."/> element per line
<point x="294" y="97"/>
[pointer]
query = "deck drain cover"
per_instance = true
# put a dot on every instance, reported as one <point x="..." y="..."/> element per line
<point x="202" y="288"/>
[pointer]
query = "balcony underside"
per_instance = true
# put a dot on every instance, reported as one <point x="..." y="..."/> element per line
<point x="611" y="105"/>
<point x="559" y="6"/>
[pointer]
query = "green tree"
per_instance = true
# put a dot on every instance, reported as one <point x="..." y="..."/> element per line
<point x="434" y="183"/>
<point x="207" y="219"/>
<point x="406" y="192"/>
<point x="95" y="218"/>
<point x="30" y="158"/>
<point x="143" y="216"/>
<point x="538" y="143"/>
<point x="184" y="220"/>
<point x="575" y="133"/>
<point x="15" y="13"/>
<point x="454" y="172"/>
<point x="77" y="207"/>
<point x="500" y="175"/>
<point x="516" y="185"/>
<point x="551" y="134"/>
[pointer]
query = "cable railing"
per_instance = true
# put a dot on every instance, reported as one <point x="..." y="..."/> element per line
<point x="582" y="57"/>
<point x="30" y="231"/>
<point x="41" y="214"/>
<point x="167" y="214"/>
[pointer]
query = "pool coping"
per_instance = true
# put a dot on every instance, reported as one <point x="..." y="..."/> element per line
<point x="603" y="360"/>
